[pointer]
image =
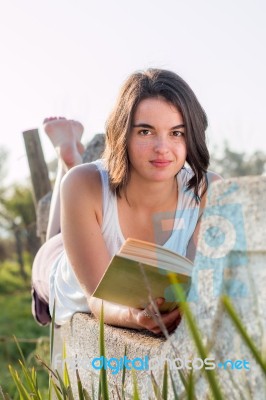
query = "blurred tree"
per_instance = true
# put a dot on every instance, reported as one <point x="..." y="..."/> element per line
<point x="3" y="168"/>
<point x="3" y="162"/>
<point x="20" y="204"/>
<point x="17" y="215"/>
<point x="3" y="220"/>
<point x="7" y="248"/>
<point x="3" y="252"/>
<point x="231" y="163"/>
<point x="21" y="207"/>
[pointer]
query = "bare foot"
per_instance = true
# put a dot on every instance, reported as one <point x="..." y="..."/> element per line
<point x="65" y="135"/>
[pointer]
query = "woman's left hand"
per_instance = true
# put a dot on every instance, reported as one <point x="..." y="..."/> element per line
<point x="123" y="316"/>
<point x="150" y="320"/>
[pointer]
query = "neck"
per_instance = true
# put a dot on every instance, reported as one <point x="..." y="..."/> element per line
<point x="154" y="196"/>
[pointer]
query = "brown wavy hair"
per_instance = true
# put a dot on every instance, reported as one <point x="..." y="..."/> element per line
<point x="147" y="84"/>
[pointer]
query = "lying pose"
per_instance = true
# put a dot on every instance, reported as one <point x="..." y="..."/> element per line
<point x="156" y="127"/>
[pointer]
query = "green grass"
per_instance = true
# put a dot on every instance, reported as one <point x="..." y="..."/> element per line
<point x="16" y="319"/>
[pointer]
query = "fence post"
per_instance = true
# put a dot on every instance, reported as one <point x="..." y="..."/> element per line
<point x="38" y="168"/>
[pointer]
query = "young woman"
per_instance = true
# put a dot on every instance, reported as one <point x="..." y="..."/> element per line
<point x="140" y="189"/>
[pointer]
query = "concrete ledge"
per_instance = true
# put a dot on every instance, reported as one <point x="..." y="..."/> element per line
<point x="81" y="336"/>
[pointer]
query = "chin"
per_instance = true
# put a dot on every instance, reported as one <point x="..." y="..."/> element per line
<point x="163" y="177"/>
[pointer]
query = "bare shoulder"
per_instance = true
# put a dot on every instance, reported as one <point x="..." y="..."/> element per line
<point x="82" y="176"/>
<point x="82" y="186"/>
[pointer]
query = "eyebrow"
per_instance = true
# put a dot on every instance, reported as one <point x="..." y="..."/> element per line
<point x="143" y="125"/>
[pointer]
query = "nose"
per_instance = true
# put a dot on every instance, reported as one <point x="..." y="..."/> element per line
<point x="161" y="145"/>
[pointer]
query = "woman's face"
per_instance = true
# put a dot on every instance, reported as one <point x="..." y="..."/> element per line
<point x="156" y="144"/>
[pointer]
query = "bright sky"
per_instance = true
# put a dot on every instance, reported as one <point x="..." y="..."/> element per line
<point x="66" y="57"/>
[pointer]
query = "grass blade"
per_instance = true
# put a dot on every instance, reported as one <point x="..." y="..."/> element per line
<point x="20" y="351"/>
<point x="34" y="378"/>
<point x="43" y="363"/>
<point x="103" y="373"/>
<point x="86" y="395"/>
<point x="56" y="389"/>
<point x="117" y="393"/>
<point x="62" y="385"/>
<point x="135" y="395"/>
<point x="190" y="390"/>
<point x="52" y="328"/>
<point x="30" y="380"/>
<point x="241" y="329"/>
<point x="4" y="396"/>
<point x="52" y="334"/>
<point x="65" y="370"/>
<point x="99" y="389"/>
<point x="176" y="397"/>
<point x="79" y="384"/>
<point x="21" y="388"/>
<point x="2" y="393"/>
<point x="70" y="394"/>
<point x="66" y="379"/>
<point x="124" y="375"/>
<point x="156" y="388"/>
<point x="180" y="295"/>
<point x="165" y="382"/>
<point x="92" y="389"/>
<point x="183" y="378"/>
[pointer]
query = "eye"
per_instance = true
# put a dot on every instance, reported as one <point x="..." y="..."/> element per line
<point x="177" y="133"/>
<point x="144" y="132"/>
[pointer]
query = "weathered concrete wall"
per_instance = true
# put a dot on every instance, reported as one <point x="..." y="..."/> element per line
<point x="81" y="338"/>
<point x="230" y="259"/>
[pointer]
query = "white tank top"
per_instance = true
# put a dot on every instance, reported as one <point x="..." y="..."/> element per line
<point x="65" y="290"/>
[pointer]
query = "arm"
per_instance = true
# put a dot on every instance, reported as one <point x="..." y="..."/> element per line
<point x="81" y="214"/>
<point x="81" y="217"/>
<point x="117" y="315"/>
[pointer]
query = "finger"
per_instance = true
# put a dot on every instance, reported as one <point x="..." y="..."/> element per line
<point x="153" y="308"/>
<point x="146" y="313"/>
<point x="159" y="301"/>
<point x="171" y="328"/>
<point x="169" y="318"/>
<point x="147" y="321"/>
<point x="150" y="311"/>
<point x="152" y="321"/>
<point x="156" y="330"/>
<point x="174" y="325"/>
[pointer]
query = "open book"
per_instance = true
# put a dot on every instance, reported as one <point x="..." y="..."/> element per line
<point x="139" y="271"/>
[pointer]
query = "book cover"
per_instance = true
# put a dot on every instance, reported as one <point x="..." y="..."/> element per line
<point x="140" y="272"/>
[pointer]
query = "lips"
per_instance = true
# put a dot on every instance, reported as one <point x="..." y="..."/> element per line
<point x="160" y="163"/>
